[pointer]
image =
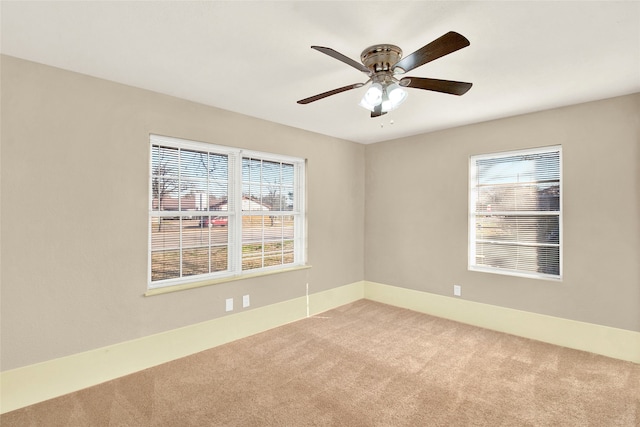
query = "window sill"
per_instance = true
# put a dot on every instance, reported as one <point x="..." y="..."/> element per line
<point x="515" y="273"/>
<point x="183" y="287"/>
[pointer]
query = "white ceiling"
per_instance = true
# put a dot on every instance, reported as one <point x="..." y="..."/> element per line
<point x="254" y="58"/>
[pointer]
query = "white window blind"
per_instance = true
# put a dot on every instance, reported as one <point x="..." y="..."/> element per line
<point x="515" y="203"/>
<point x="268" y="215"/>
<point x="218" y="211"/>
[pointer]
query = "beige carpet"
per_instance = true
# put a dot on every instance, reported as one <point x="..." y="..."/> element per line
<point x="364" y="364"/>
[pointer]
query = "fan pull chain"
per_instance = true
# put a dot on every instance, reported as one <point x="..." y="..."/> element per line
<point x="382" y="123"/>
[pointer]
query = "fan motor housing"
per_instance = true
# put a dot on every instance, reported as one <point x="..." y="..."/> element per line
<point x="381" y="57"/>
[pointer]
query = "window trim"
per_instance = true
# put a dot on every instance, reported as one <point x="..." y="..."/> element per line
<point x="471" y="265"/>
<point x="234" y="269"/>
<point x="158" y="290"/>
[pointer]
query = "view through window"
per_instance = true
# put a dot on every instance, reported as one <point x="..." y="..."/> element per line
<point x="515" y="224"/>
<point x="218" y="211"/>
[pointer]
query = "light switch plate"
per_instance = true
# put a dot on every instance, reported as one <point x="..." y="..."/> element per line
<point x="457" y="290"/>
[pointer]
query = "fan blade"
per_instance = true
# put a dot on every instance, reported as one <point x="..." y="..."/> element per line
<point x="377" y="111"/>
<point x="329" y="93"/>
<point x="444" y="86"/>
<point x="340" y="57"/>
<point x="440" y="47"/>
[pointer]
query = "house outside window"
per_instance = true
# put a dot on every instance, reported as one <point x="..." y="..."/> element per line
<point x="515" y="218"/>
<point x="217" y="212"/>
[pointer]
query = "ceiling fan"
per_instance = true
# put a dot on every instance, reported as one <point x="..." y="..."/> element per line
<point x="383" y="62"/>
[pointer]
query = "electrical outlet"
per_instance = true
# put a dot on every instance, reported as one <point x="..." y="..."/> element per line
<point x="457" y="290"/>
<point x="229" y="304"/>
<point x="245" y="301"/>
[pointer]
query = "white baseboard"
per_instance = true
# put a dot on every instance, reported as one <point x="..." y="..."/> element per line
<point x="42" y="381"/>
<point x="612" y="342"/>
<point x="36" y="383"/>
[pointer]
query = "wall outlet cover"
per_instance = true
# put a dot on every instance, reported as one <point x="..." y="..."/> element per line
<point x="229" y="304"/>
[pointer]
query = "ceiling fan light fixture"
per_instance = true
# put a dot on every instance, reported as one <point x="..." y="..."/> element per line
<point x="396" y="95"/>
<point x="363" y="103"/>
<point x="373" y="97"/>
<point x="387" y="104"/>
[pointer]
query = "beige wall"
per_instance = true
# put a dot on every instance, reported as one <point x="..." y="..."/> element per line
<point x="74" y="159"/>
<point x="417" y="198"/>
<point x="75" y="154"/>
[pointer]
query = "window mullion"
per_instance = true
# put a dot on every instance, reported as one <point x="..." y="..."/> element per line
<point x="235" y="238"/>
<point x="208" y="189"/>
<point x="180" y="242"/>
<point x="516" y="213"/>
<point x="262" y="230"/>
<point x="516" y="243"/>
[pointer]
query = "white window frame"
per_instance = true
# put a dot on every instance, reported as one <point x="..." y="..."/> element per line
<point x="472" y="264"/>
<point x="234" y="213"/>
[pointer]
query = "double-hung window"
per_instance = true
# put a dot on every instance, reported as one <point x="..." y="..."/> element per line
<point x="515" y="221"/>
<point x="217" y="212"/>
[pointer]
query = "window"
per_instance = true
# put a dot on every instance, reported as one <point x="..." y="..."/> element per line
<point x="217" y="212"/>
<point x="515" y="204"/>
